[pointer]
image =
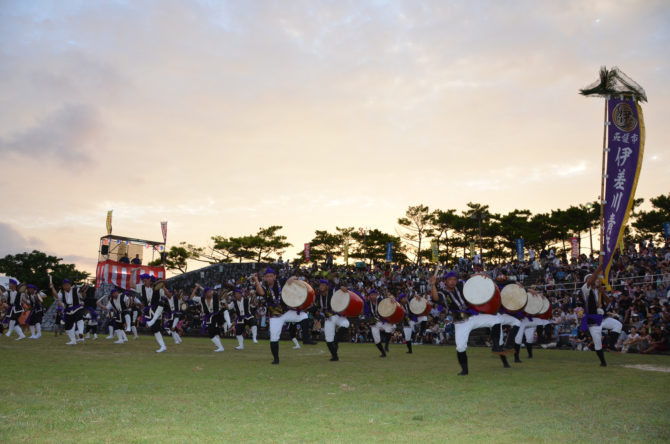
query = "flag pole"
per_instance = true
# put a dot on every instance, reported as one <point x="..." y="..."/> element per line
<point x="602" y="180"/>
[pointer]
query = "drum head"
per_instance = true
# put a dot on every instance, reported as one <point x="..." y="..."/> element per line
<point x="340" y="301"/>
<point x="417" y="306"/>
<point x="184" y="306"/>
<point x="545" y="305"/>
<point x="21" y="287"/>
<point x="513" y="297"/>
<point x="294" y="294"/>
<point x="387" y="307"/>
<point x="534" y="304"/>
<point x="479" y="289"/>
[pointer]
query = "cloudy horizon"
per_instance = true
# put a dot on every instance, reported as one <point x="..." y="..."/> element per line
<point x="223" y="117"/>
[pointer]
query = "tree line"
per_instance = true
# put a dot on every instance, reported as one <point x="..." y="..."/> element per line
<point x="457" y="234"/>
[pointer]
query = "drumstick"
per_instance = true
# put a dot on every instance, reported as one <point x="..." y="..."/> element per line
<point x="437" y="268"/>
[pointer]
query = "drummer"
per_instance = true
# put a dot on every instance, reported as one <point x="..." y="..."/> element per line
<point x="333" y="320"/>
<point x="36" y="301"/>
<point x="376" y="323"/>
<point x="592" y="292"/>
<point x="278" y="311"/>
<point x="465" y="318"/>
<point x="409" y="321"/>
<point x="213" y="314"/>
<point x="244" y="317"/>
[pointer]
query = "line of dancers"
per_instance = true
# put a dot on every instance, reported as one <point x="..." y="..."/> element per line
<point x="162" y="311"/>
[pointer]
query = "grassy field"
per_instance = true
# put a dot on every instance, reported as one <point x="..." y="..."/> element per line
<point x="102" y="392"/>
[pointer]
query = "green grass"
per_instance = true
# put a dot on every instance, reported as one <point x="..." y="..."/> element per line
<point x="103" y="392"/>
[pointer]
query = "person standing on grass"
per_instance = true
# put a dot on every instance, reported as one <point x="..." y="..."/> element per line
<point x="377" y="325"/>
<point x="70" y="297"/>
<point x="173" y="314"/>
<point x="243" y="318"/>
<point x="36" y="301"/>
<point x="14" y="300"/>
<point x="118" y="305"/>
<point x="278" y="311"/>
<point x="333" y="321"/>
<point x="213" y="315"/>
<point x="465" y="318"/>
<point x="408" y="322"/>
<point x="593" y="313"/>
<point x="154" y="305"/>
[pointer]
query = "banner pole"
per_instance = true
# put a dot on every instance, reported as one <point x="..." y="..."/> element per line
<point x="602" y="181"/>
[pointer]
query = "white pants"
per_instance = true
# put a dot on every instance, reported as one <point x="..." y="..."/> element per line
<point x="611" y="324"/>
<point x="527" y="327"/>
<point x="464" y="328"/>
<point x="506" y="319"/>
<point x="331" y="324"/>
<point x="277" y="323"/>
<point x="408" y="330"/>
<point x="597" y="336"/>
<point x="388" y="328"/>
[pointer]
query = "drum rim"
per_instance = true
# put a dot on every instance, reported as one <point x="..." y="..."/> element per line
<point x="493" y="295"/>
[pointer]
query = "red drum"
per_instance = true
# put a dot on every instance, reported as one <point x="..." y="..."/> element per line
<point x="513" y="297"/>
<point x="420" y="306"/>
<point x="347" y="303"/>
<point x="534" y="305"/>
<point x="391" y="311"/>
<point x="545" y="312"/>
<point x="482" y="294"/>
<point x="298" y="295"/>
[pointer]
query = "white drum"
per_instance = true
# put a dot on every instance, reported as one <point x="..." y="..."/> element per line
<point x="513" y="297"/>
<point x="298" y="295"/>
<point x="534" y="305"/>
<point x="420" y="306"/>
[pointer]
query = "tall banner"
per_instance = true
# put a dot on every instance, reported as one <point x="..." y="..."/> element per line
<point x="472" y="248"/>
<point x="435" y="252"/>
<point x="574" y="246"/>
<point x="389" y="252"/>
<point x="625" y="148"/>
<point x="109" y="222"/>
<point x="666" y="230"/>
<point x="307" y="252"/>
<point x="346" y="252"/>
<point x="164" y="230"/>
<point x="520" y="250"/>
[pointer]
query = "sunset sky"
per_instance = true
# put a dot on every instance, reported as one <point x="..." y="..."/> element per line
<point x="225" y="116"/>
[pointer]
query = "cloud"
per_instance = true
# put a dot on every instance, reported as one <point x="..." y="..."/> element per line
<point x="68" y="135"/>
<point x="12" y="242"/>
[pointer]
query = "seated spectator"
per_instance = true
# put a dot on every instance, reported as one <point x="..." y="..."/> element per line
<point x="136" y="260"/>
<point x="125" y="259"/>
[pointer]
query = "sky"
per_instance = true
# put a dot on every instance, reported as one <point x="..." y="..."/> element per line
<point x="225" y="116"/>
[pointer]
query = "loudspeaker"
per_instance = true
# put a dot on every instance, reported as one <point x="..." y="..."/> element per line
<point x="104" y="250"/>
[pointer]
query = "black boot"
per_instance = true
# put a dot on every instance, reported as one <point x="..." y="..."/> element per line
<point x="503" y="358"/>
<point x="511" y="337"/>
<point x="517" y="348"/>
<point x="422" y="331"/>
<point x="333" y="351"/>
<point x="409" y="347"/>
<point x="529" y="347"/>
<point x="306" y="332"/>
<point x="274" y="348"/>
<point x="381" y="349"/>
<point x="463" y="360"/>
<point x="601" y="355"/>
<point x="495" y="339"/>
<point x="387" y="339"/>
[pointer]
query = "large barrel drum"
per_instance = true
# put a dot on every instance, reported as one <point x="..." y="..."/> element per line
<point x="390" y="310"/>
<point x="346" y="303"/>
<point x="482" y="294"/>
<point x="298" y="295"/>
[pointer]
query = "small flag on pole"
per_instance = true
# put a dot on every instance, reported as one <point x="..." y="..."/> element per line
<point x="164" y="230"/>
<point x="307" y="252"/>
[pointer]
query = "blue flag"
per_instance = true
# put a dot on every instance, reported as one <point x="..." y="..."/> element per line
<point x="519" y="249"/>
<point x="389" y="252"/>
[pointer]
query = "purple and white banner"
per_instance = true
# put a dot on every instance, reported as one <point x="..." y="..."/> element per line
<point x="625" y="142"/>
